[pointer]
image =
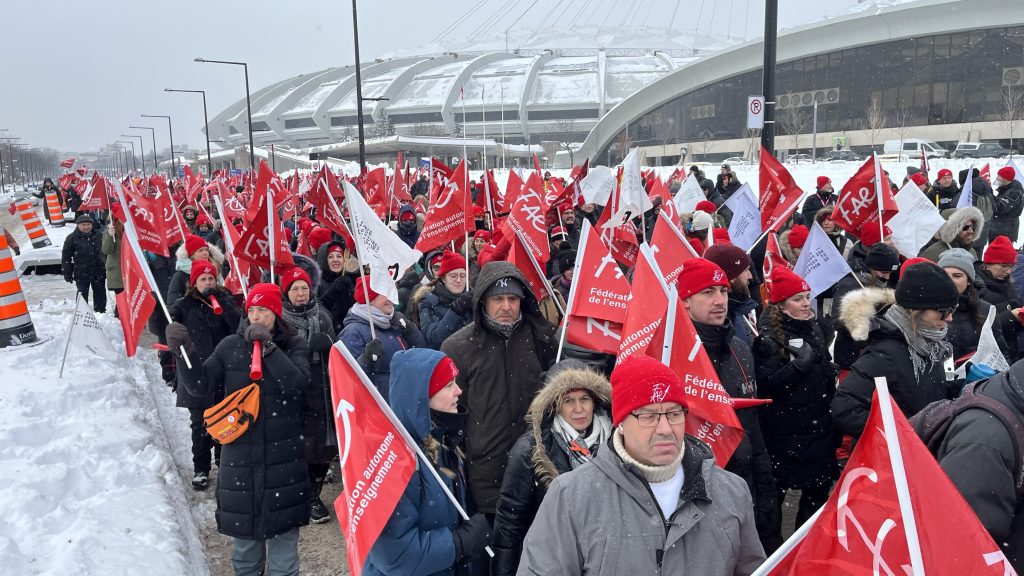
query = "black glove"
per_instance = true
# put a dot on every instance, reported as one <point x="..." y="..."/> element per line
<point x="399" y="322"/>
<point x="471" y="537"/>
<point x="373" y="351"/>
<point x="258" y="332"/>
<point x="804" y="357"/>
<point x="178" y="337"/>
<point x="211" y="290"/>
<point x="320" y="342"/>
<point x="463" y="303"/>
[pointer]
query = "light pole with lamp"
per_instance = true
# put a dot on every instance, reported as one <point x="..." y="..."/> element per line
<point x="142" y="147"/>
<point x="132" y="144"/>
<point x="170" y="136"/>
<point x="206" y="127"/>
<point x="248" y="100"/>
<point x="152" y="133"/>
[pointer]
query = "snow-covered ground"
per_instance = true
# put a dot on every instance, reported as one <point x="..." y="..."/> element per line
<point x="88" y="481"/>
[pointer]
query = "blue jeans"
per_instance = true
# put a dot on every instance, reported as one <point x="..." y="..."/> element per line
<point x="249" y="556"/>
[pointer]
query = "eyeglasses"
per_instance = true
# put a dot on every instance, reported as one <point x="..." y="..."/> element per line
<point x="967" y="227"/>
<point x="651" y="419"/>
<point x="947" y="311"/>
<point x="454" y="276"/>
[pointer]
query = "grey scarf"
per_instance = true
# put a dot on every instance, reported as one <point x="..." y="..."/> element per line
<point x="364" y="311"/>
<point x="503" y="330"/>
<point x="927" y="345"/>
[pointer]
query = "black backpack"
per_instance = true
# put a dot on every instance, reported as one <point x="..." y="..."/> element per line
<point x="933" y="422"/>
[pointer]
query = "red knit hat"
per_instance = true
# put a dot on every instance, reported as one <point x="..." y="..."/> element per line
<point x="869" y="234"/>
<point x="193" y="244"/>
<point x="266" y="295"/>
<point x="1007" y="173"/>
<point x="911" y="261"/>
<point x="337" y="247"/>
<point x="361" y="294"/>
<point x="945" y="172"/>
<point x="200" y="267"/>
<point x="785" y="283"/>
<point x="318" y="237"/>
<point x="566" y="207"/>
<point x="1000" y="251"/>
<point x="699" y="274"/>
<point x="305" y="224"/>
<point x="203" y="219"/>
<point x="919" y="178"/>
<point x="640" y="380"/>
<point x="822" y="180"/>
<point x="559" y="231"/>
<point x="798" y="236"/>
<point x="485" y="234"/>
<point x="706" y="206"/>
<point x="292" y="276"/>
<point x="478" y="211"/>
<point x="443" y="373"/>
<point x="721" y="236"/>
<point x="407" y="216"/>
<point x="450" y="262"/>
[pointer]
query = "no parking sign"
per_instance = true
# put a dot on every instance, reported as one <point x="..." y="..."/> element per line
<point x="755" y="112"/>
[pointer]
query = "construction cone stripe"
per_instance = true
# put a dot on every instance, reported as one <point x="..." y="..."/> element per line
<point x="33" y="226"/>
<point x="53" y="209"/>
<point x="15" y="322"/>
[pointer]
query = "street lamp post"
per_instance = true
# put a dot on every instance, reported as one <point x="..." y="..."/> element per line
<point x="206" y="126"/>
<point x="152" y="133"/>
<point x="170" y="136"/>
<point x="132" y="144"/>
<point x="248" y="100"/>
<point x="359" y="92"/>
<point x="142" y="150"/>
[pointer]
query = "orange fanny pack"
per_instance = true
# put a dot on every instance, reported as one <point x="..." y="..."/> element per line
<point x="230" y="418"/>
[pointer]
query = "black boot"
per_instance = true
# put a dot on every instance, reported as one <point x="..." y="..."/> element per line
<point x="318" y="511"/>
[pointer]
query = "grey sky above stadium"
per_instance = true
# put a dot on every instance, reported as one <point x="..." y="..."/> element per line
<point x="77" y="74"/>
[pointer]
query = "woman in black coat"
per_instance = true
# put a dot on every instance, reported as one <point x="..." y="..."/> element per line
<point x="337" y="284"/>
<point x="543" y="452"/>
<point x="303" y="312"/>
<point x="263" y="482"/>
<point x="447" y="306"/>
<point x="199" y="326"/>
<point x="965" y="329"/>
<point x="905" y="344"/>
<point x="795" y="370"/>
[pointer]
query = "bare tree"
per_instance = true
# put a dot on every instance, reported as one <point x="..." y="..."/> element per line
<point x="793" y="122"/>
<point x="564" y="132"/>
<point x="1013" y="110"/>
<point x="874" y="121"/>
<point x="904" y="118"/>
<point x="623" y="143"/>
<point x="753" y="136"/>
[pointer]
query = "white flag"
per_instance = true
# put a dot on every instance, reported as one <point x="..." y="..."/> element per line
<point x="916" y="222"/>
<point x="87" y="335"/>
<point x="967" y="194"/>
<point x="689" y="195"/>
<point x="377" y="246"/>
<point x="632" y="201"/>
<point x="745" y="227"/>
<point x="820" y="263"/>
<point x="1019" y="174"/>
<point x="988" y="352"/>
<point x="597" y="185"/>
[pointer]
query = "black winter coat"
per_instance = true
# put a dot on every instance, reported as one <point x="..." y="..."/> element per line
<point x="206" y="330"/>
<point x="82" y="257"/>
<point x="887" y="354"/>
<point x="263" y="484"/>
<point x="1006" y="210"/>
<point x="944" y="196"/>
<point x="797" y="425"/>
<point x="336" y="291"/>
<point x="814" y="203"/>
<point x="735" y="366"/>
<point x="309" y="320"/>
<point x="437" y="319"/>
<point x="498" y="377"/>
<point x="965" y="329"/>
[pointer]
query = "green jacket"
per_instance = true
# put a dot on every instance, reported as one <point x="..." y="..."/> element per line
<point x="111" y="249"/>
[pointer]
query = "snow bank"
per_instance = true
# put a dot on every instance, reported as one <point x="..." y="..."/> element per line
<point x="88" y="484"/>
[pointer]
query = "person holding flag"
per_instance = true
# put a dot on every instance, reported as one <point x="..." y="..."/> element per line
<point x="263" y="482"/>
<point x="425" y="534"/>
<point x="795" y="370"/>
<point x="944" y="190"/>
<point x="906" y="343"/>
<point x="194" y="248"/>
<point x="965" y="329"/>
<point x="337" y="287"/>
<point x="703" y="289"/>
<point x="1007" y="204"/>
<point x="652" y="501"/>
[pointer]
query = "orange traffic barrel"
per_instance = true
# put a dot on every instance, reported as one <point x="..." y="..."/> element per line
<point x="54" y="212"/>
<point x="33" y="226"/>
<point x="15" y="323"/>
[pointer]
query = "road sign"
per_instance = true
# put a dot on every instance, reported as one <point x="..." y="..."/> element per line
<point x="181" y="171"/>
<point x="235" y="172"/>
<point x="755" y="112"/>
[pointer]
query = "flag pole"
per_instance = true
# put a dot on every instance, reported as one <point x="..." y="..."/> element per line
<point x="787" y="546"/>
<point x="584" y="238"/>
<point x="878" y="196"/>
<point x="386" y="408"/>
<point x="349" y="189"/>
<point x="71" y="329"/>
<point x="540" y="273"/>
<point x="270" y="232"/>
<point x="230" y="245"/>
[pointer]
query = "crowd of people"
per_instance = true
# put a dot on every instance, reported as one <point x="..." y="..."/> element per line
<point x="572" y="463"/>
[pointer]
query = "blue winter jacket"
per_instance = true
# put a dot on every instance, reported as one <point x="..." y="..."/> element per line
<point x="356" y="333"/>
<point x="438" y="320"/>
<point x="417" y="539"/>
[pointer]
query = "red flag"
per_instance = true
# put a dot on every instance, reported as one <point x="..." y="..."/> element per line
<point x="599" y="335"/>
<point x="858" y="205"/>
<point x="147" y="215"/>
<point x="527" y="218"/>
<point x="986" y="173"/>
<point x="324" y="190"/>
<point x="621" y="239"/>
<point x="536" y="165"/>
<point x="646" y="311"/>
<point x="233" y="208"/>
<point x="518" y="257"/>
<point x="135" y="303"/>
<point x="512" y="188"/>
<point x="375" y="191"/>
<point x="254" y="244"/>
<point x="924" y="161"/>
<point x="401" y="185"/>
<point x="449" y="216"/>
<point x="894" y="511"/>
<point x="376" y="461"/>
<point x="95" y="196"/>
<point x="670" y="249"/>
<point x="599" y="289"/>
<point x="772" y="257"/>
<point x="779" y="193"/>
<point x="668" y="207"/>
<point x="439" y="166"/>
<point x="66" y="181"/>
<point x="68" y="163"/>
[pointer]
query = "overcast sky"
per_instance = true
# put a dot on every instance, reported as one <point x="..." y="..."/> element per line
<point x="75" y="74"/>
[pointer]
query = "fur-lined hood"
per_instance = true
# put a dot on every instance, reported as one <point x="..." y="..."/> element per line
<point x="545" y="403"/>
<point x="787" y="251"/>
<point x="859" y="308"/>
<point x="957" y="219"/>
<point x="184" y="263"/>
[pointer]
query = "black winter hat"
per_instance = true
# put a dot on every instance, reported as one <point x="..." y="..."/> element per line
<point x="883" y="258"/>
<point x="84" y="219"/>
<point x="566" y="260"/>
<point x="925" y="286"/>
